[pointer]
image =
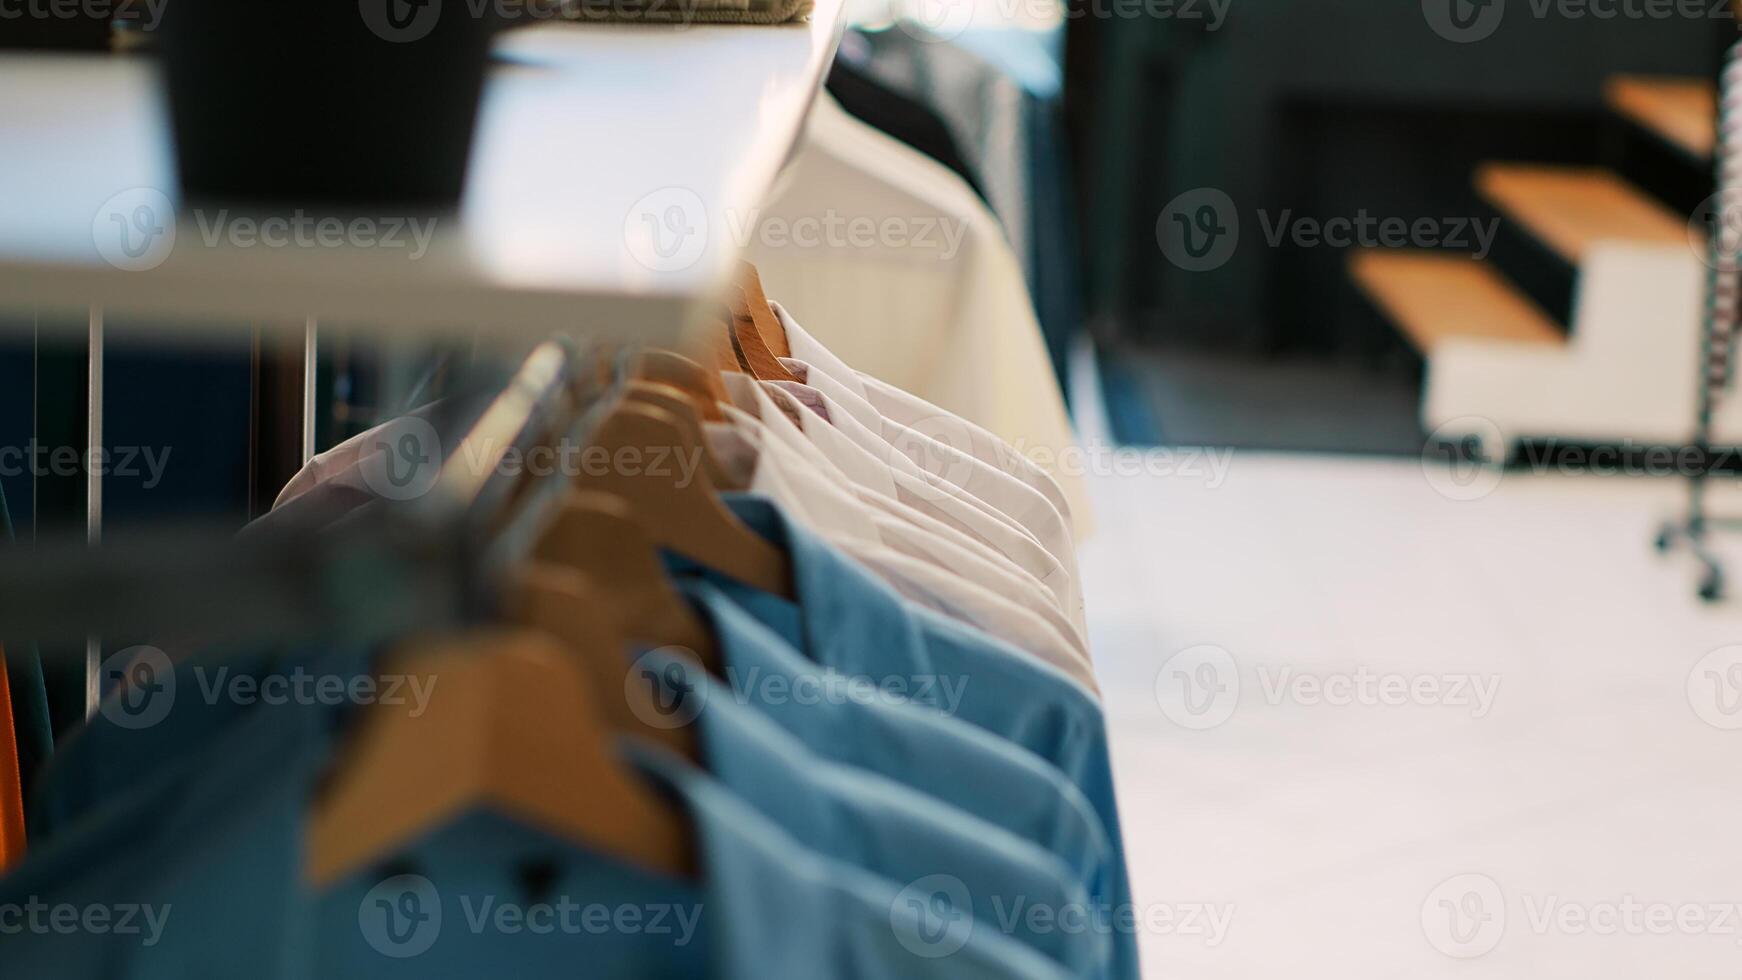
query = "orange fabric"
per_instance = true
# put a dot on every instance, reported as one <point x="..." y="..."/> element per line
<point x="11" y="786"/>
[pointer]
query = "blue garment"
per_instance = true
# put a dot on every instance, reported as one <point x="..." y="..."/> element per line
<point x="208" y="843"/>
<point x="877" y="824"/>
<point x="846" y="619"/>
<point x="28" y="691"/>
<point x="103" y="760"/>
<point x="960" y="765"/>
<point x="216" y="852"/>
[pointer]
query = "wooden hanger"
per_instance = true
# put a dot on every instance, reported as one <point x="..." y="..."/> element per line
<point x="718" y="347"/>
<point x="596" y="535"/>
<point x="509" y="726"/>
<point x="562" y="602"/>
<point x="684" y="411"/>
<point x="763" y="365"/>
<point x="767" y="321"/>
<point x="686" y="517"/>
<point x="703" y="386"/>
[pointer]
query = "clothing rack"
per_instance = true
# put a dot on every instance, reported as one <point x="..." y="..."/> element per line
<point x="419" y="557"/>
<point x="1719" y="334"/>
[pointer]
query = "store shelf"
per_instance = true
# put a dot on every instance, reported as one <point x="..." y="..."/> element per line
<point x="593" y="139"/>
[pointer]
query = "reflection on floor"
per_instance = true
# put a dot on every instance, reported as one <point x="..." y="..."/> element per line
<point x="1411" y="735"/>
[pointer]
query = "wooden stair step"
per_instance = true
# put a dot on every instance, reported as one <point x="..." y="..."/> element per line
<point x="1570" y="209"/>
<point x="1432" y="296"/>
<point x="1684" y="111"/>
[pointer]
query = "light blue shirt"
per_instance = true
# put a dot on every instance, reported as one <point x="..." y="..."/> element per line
<point x="846" y="619"/>
<point x="1011" y="885"/>
<point x="216" y="853"/>
<point x="965" y="767"/>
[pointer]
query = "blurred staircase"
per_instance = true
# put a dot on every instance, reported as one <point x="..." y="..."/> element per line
<point x="1582" y="323"/>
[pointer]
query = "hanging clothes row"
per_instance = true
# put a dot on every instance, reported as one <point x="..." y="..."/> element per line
<point x="940" y="309"/>
<point x="987" y="104"/>
<point x="776" y="682"/>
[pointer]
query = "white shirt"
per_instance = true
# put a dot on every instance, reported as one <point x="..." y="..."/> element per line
<point x="935" y="305"/>
<point x="935" y="510"/>
<point x="898" y="407"/>
<point x="925" y="564"/>
<point x="828" y="422"/>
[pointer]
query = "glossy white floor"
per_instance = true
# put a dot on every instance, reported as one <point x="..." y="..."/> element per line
<point x="1362" y="729"/>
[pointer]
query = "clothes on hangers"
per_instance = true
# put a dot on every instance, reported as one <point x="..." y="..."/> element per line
<point x="908" y="120"/>
<point x="1000" y="91"/>
<point x="11" y="780"/>
<point x="935" y="306"/>
<point x="894" y="744"/>
<point x="985" y="109"/>
<point x="31" y="732"/>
